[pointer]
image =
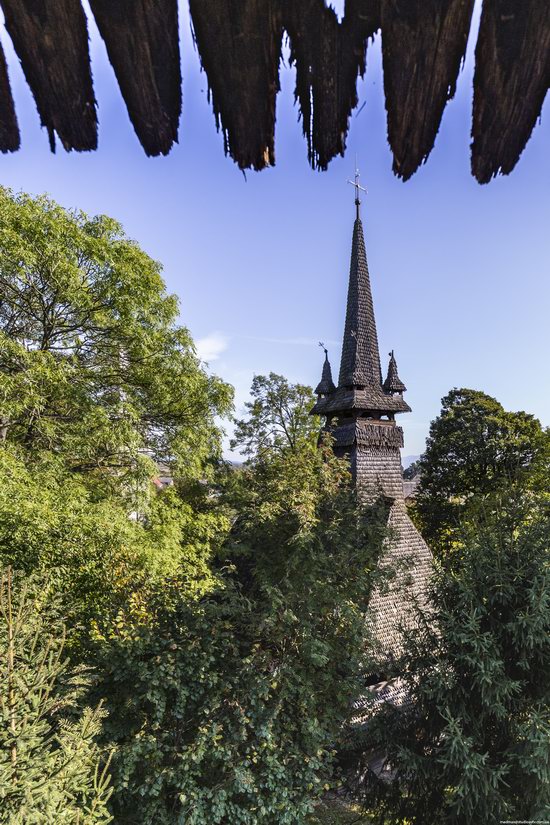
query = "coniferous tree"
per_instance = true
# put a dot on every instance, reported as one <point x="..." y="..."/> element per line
<point x="51" y="771"/>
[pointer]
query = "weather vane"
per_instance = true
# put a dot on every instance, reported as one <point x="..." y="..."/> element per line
<point x="323" y="347"/>
<point x="358" y="187"/>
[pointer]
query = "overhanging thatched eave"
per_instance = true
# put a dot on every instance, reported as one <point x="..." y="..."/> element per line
<point x="423" y="47"/>
<point x="329" y="57"/>
<point x="240" y="48"/>
<point x="51" y="41"/>
<point x="512" y="76"/>
<point x="9" y="130"/>
<point x="240" y="44"/>
<point x="142" y="42"/>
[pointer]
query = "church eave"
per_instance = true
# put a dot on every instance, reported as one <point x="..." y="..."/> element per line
<point x="360" y="400"/>
<point x="325" y="387"/>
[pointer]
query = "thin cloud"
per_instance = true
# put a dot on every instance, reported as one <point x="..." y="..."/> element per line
<point x="211" y="346"/>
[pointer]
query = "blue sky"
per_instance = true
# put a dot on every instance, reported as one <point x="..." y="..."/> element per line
<point x="460" y="272"/>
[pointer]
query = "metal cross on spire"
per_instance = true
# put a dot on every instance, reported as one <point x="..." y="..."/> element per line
<point x="358" y="188"/>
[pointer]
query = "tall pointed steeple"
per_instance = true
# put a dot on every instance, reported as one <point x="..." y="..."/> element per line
<point x="360" y="365"/>
<point x="360" y="392"/>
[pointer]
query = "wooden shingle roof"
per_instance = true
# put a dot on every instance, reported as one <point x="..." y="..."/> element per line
<point x="360" y="364"/>
<point x="368" y="398"/>
<point x="409" y="563"/>
<point x="360" y="381"/>
<point x="393" y="383"/>
<point x="240" y="47"/>
<point x="326" y="384"/>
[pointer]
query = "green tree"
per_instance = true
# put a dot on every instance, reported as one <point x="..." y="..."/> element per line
<point x="227" y="709"/>
<point x="473" y="448"/>
<point x="278" y="417"/>
<point x="473" y="744"/>
<point x="98" y="384"/>
<point x="96" y="556"/>
<point x="93" y="366"/>
<point x="50" y="765"/>
<point x="412" y="470"/>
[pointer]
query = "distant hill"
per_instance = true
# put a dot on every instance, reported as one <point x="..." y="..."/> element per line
<point x="407" y="460"/>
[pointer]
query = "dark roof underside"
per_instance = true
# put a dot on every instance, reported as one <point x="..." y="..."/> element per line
<point x="240" y="46"/>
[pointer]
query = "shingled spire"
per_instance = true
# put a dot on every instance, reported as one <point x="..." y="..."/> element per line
<point x="326" y="384"/>
<point x="360" y="365"/>
<point x="360" y="390"/>
<point x="393" y="383"/>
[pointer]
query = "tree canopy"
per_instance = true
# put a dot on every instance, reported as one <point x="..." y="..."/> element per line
<point x="222" y="617"/>
<point x="93" y="365"/>
<point x="472" y="740"/>
<point x="228" y="710"/>
<point x="412" y="470"/>
<point x="474" y="447"/>
<point x="98" y="385"/>
<point x="223" y="620"/>
<point x="278" y="417"/>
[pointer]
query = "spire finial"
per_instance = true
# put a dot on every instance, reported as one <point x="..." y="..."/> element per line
<point x="358" y="188"/>
<point x="325" y="350"/>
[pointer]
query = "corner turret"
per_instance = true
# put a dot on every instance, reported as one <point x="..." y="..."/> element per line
<point x="326" y="384"/>
<point x="393" y="384"/>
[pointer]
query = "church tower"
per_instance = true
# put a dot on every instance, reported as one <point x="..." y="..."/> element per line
<point x="360" y="415"/>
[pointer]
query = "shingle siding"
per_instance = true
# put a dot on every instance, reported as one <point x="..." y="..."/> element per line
<point x="408" y="560"/>
<point x="406" y="556"/>
<point x="378" y="472"/>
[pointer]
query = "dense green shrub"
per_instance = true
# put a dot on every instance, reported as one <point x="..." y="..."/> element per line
<point x="227" y="710"/>
<point x="50" y="767"/>
<point x="474" y="743"/>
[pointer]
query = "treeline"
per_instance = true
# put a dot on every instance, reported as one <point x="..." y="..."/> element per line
<point x="190" y="654"/>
